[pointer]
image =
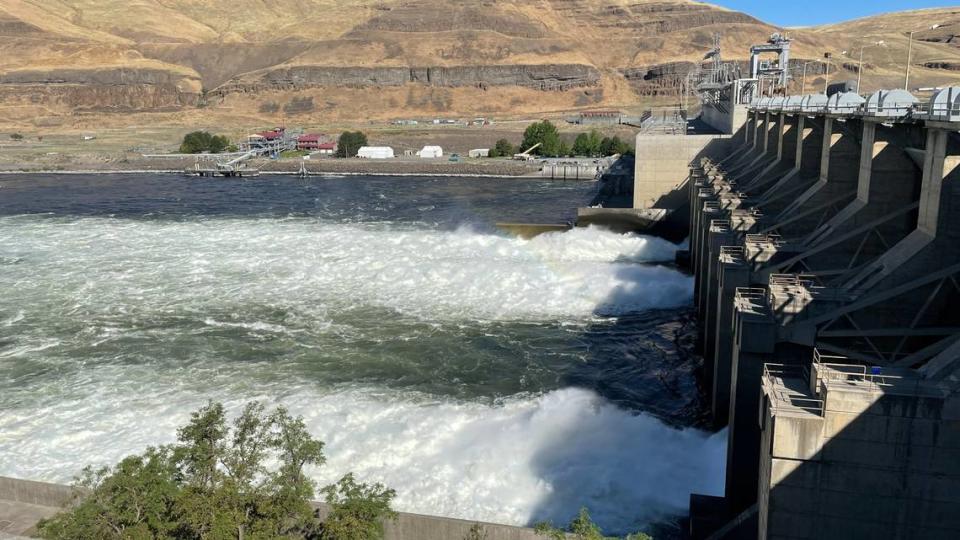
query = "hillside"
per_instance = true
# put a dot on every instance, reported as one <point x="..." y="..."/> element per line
<point x="242" y="62"/>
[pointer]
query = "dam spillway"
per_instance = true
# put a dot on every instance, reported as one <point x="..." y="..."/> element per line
<point x="823" y="241"/>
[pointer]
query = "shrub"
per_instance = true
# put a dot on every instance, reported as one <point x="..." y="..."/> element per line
<point x="582" y="528"/>
<point x="243" y="480"/>
<point x="503" y="148"/>
<point x="200" y="141"/>
<point x="16" y="136"/>
<point x="357" y="510"/>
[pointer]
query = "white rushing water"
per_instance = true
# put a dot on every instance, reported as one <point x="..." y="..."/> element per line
<point x="89" y="302"/>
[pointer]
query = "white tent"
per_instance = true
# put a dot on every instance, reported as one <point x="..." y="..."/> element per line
<point x="479" y="152"/>
<point x="375" y="152"/>
<point x="430" y="152"/>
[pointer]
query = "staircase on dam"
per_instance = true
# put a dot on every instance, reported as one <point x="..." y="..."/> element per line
<point x="824" y="243"/>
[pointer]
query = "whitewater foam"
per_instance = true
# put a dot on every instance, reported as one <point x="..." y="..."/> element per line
<point x="307" y="266"/>
<point x="520" y="460"/>
<point x="113" y="330"/>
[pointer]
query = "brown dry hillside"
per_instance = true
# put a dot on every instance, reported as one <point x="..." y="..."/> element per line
<point x="240" y="62"/>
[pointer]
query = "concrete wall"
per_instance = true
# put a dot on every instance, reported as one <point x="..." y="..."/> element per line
<point x="874" y="465"/>
<point x="405" y="527"/>
<point x="727" y="120"/>
<point x="663" y="166"/>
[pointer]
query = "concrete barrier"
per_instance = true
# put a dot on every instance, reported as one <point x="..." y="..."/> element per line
<point x="406" y="527"/>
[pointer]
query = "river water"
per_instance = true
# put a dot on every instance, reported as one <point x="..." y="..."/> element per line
<point x="482" y="376"/>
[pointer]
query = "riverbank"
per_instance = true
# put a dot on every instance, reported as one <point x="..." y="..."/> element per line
<point x="86" y="164"/>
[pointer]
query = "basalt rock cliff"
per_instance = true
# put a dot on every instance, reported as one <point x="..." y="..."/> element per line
<point x="392" y="58"/>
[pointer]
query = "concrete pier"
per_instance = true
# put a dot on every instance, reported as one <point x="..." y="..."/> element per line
<point x="828" y="230"/>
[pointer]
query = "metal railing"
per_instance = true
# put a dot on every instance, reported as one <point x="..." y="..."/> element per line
<point x="781" y="397"/>
<point x="949" y="110"/>
<point x="839" y="369"/>
<point x="774" y="239"/>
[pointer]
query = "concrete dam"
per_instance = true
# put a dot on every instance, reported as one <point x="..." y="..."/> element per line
<point x="823" y="236"/>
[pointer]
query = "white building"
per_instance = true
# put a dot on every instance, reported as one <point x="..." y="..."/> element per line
<point x="375" y="152"/>
<point x="430" y="152"/>
<point x="479" y="152"/>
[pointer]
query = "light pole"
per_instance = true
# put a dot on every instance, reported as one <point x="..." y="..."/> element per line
<point x="803" y="83"/>
<point x="826" y="78"/>
<point x="860" y="65"/>
<point x="906" y="79"/>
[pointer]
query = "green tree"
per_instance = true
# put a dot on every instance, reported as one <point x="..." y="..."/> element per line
<point x="587" y="144"/>
<point x="135" y="499"/>
<point x="16" y="136"/>
<point x="564" y="150"/>
<point x="242" y="480"/>
<point x="606" y="147"/>
<point x="613" y="145"/>
<point x="503" y="148"/>
<point x="198" y="142"/>
<point x="357" y="511"/>
<point x="582" y="528"/>
<point x="581" y="145"/>
<point x="349" y="142"/>
<point x="544" y="133"/>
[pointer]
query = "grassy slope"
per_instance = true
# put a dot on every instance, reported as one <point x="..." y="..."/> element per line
<point x="609" y="34"/>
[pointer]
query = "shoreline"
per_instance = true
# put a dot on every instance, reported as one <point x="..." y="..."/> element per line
<point x="79" y="172"/>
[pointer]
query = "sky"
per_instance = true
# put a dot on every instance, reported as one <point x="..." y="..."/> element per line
<point x="813" y="12"/>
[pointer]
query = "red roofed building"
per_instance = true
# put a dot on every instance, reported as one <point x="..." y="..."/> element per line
<point x="327" y="148"/>
<point x="309" y="141"/>
<point x="273" y="134"/>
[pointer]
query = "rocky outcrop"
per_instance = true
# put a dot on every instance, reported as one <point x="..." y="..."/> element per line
<point x="118" y="89"/>
<point x="659" y="79"/>
<point x="949" y="66"/>
<point x="105" y="76"/>
<point x="538" y="77"/>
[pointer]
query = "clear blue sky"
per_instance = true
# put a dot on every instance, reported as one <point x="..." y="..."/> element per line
<point x="811" y="12"/>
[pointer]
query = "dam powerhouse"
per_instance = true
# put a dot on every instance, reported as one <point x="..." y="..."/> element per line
<point x="823" y="236"/>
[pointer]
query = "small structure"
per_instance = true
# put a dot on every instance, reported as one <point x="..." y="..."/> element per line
<point x="479" y="153"/>
<point x="430" y="151"/>
<point x="327" y="148"/>
<point x="600" y="117"/>
<point x="375" y="152"/>
<point x="272" y="141"/>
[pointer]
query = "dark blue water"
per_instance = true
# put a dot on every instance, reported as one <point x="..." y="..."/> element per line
<point x="445" y="202"/>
